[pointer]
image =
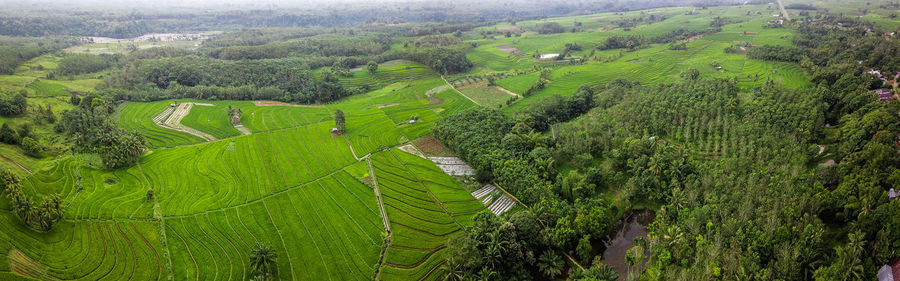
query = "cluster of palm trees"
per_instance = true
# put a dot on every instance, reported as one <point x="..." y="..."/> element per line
<point x="41" y="217"/>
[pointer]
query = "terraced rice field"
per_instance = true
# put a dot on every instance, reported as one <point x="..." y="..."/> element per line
<point x="425" y="208"/>
<point x="139" y="117"/>
<point x="388" y="73"/>
<point x="84" y="250"/>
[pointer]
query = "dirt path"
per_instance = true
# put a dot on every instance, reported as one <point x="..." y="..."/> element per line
<point x="244" y="130"/>
<point x="896" y="94"/>
<point x="174" y="121"/>
<point x="16" y="163"/>
<point x="784" y="12"/>
<point x="387" y="224"/>
<point x="460" y="93"/>
<point x="278" y="103"/>
<point x="511" y="93"/>
<point x="384" y="218"/>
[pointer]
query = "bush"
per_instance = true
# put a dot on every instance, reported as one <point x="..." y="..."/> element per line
<point x="7" y="135"/>
<point x="32" y="147"/>
<point x="548" y="28"/>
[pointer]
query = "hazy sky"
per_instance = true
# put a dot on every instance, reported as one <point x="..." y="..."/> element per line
<point x="119" y="4"/>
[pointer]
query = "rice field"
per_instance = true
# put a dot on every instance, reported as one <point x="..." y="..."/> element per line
<point x="488" y="96"/>
<point x="139" y="117"/>
<point x="425" y="209"/>
<point x="310" y="194"/>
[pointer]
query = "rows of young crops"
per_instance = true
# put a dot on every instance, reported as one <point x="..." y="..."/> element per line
<point x="328" y="229"/>
<point x="386" y="75"/>
<point x="421" y="222"/>
<point x="84" y="250"/>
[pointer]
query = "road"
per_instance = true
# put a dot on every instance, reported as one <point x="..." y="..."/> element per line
<point x="784" y="12"/>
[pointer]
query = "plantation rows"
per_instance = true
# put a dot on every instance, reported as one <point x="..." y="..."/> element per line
<point x="324" y="230"/>
<point x="421" y="214"/>
<point x="84" y="250"/>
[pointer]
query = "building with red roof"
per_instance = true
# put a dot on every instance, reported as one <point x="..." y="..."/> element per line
<point x="885" y="95"/>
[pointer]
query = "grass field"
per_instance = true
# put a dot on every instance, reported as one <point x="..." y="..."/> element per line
<point x="487" y="95"/>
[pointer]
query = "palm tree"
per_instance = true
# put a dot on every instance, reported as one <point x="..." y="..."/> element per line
<point x="486" y="274"/>
<point x="454" y="270"/>
<point x="45" y="217"/>
<point x="851" y="253"/>
<point x="262" y="259"/>
<point x="550" y="264"/>
<point x="54" y="205"/>
<point x="24" y="208"/>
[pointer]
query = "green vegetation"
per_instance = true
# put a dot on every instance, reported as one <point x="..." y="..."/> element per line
<point x="697" y="141"/>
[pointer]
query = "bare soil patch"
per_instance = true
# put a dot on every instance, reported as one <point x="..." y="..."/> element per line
<point x="278" y="103"/>
<point x="390" y="104"/>
<point x="24" y="265"/>
<point x="693" y="38"/>
<point x="473" y="85"/>
<point x="431" y="147"/>
<point x="509" y="49"/>
<point x="411" y="149"/>
<point x="434" y="101"/>
<point x="174" y="121"/>
<point x="366" y="180"/>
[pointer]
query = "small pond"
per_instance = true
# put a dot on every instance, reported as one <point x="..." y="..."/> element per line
<point x="632" y="225"/>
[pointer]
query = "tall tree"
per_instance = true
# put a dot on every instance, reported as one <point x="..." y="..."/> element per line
<point x="372" y="67"/>
<point x="339" y="121"/>
<point x="551" y="264"/>
<point x="262" y="259"/>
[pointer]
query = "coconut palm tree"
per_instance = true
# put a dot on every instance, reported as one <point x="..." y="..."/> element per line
<point x="551" y="264"/>
<point x="24" y="208"/>
<point x="453" y="269"/>
<point x="262" y="259"/>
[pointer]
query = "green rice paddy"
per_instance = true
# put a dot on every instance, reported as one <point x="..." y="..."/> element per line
<point x="308" y="193"/>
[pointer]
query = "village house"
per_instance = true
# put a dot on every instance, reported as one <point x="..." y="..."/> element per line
<point x="884" y="94"/>
<point x="890" y="272"/>
<point x="876" y="73"/>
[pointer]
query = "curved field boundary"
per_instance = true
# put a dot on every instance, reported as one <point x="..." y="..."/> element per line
<point x="427" y="256"/>
<point x="173" y="120"/>
<point x="278" y="103"/>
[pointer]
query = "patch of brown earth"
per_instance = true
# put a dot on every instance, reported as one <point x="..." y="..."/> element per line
<point x="434" y="101"/>
<point x="478" y="84"/>
<point x="509" y="49"/>
<point x="20" y="263"/>
<point x="278" y="103"/>
<point x="431" y="147"/>
<point x="366" y="180"/>
<point x="390" y="104"/>
<point x="693" y="38"/>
